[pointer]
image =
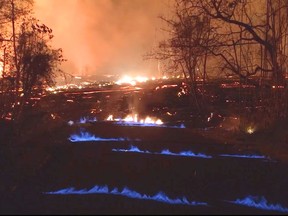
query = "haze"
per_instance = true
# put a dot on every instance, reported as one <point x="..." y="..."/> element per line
<point x="104" y="36"/>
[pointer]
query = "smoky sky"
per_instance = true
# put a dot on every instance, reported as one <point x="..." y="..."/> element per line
<point x="104" y="36"/>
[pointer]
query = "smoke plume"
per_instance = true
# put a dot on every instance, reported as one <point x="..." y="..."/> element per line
<point x="104" y="36"/>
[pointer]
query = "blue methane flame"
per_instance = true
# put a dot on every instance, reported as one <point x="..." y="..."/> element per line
<point x="86" y="136"/>
<point x="139" y="124"/>
<point x="132" y="149"/>
<point x="260" y="203"/>
<point x="163" y="152"/>
<point x="245" y="156"/>
<point x="159" y="197"/>
<point x="185" y="153"/>
<point x="84" y="120"/>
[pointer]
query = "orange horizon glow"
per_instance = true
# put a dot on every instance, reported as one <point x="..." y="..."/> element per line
<point x="103" y="36"/>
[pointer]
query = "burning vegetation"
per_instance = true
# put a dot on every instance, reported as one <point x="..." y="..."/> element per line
<point x="183" y="119"/>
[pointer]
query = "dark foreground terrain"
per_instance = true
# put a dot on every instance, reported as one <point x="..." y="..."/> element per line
<point x="138" y="170"/>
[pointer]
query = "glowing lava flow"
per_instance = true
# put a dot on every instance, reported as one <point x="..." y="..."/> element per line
<point x="159" y="197"/>
<point x="86" y="136"/>
<point x="164" y="152"/>
<point x="260" y="203"/>
<point x="131" y="81"/>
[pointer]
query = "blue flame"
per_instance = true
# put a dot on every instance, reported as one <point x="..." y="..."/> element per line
<point x="245" y="156"/>
<point x="182" y="126"/>
<point x="84" y="120"/>
<point x="164" y="152"/>
<point x="159" y="197"/>
<point x="86" y="136"/>
<point x="184" y="153"/>
<point x="132" y="149"/>
<point x="139" y="124"/>
<point x="260" y="203"/>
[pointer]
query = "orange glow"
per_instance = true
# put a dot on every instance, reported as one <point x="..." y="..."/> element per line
<point x="100" y="37"/>
<point x="132" y="81"/>
<point x="274" y="87"/>
<point x="1" y="69"/>
<point x="135" y="119"/>
<point x="250" y="130"/>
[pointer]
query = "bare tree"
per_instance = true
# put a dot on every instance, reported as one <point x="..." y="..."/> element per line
<point x="37" y="60"/>
<point x="11" y="12"/>
<point x="186" y="48"/>
<point x="247" y="38"/>
<point x="28" y="60"/>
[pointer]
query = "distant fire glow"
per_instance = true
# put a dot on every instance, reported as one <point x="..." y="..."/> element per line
<point x="159" y="197"/>
<point x="61" y="88"/>
<point x="250" y="130"/>
<point x="134" y="120"/>
<point x="131" y="81"/>
<point x="260" y="203"/>
<point x="86" y="136"/>
<point x="1" y="68"/>
<point x="163" y="152"/>
<point x="130" y="120"/>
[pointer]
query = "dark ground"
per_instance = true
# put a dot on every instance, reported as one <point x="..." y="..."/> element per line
<point x="45" y="160"/>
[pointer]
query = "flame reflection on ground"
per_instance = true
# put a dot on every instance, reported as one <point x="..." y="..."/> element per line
<point x="259" y="202"/>
<point x="159" y="197"/>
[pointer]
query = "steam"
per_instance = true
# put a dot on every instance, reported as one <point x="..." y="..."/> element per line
<point x="159" y="197"/>
<point x="104" y="36"/>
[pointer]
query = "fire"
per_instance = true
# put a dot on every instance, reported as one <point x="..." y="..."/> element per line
<point x="250" y="130"/>
<point x="60" y="88"/>
<point x="1" y="68"/>
<point x="245" y="156"/>
<point x="159" y="197"/>
<point x="140" y="79"/>
<point x="135" y="119"/>
<point x="188" y="153"/>
<point x="132" y="81"/>
<point x="87" y="137"/>
<point x="259" y="202"/>
<point x="130" y="120"/>
<point x="163" y="152"/>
